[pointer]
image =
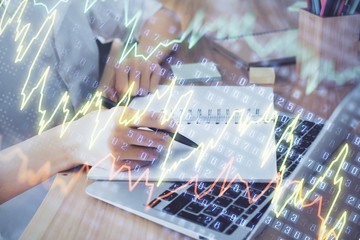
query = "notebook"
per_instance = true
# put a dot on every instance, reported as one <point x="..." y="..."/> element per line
<point x="233" y="126"/>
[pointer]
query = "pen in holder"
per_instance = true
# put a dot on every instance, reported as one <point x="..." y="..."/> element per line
<point x="327" y="49"/>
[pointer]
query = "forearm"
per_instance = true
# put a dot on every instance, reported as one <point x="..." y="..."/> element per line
<point x="164" y="26"/>
<point x="28" y="163"/>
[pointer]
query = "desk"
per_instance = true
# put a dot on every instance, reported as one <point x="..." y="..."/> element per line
<point x="75" y="215"/>
<point x="68" y="213"/>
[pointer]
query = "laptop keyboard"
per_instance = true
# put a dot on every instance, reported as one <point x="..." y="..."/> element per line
<point x="232" y="210"/>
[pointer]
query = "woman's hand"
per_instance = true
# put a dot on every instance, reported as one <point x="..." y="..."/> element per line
<point x="118" y="76"/>
<point x="134" y="144"/>
<point x="144" y="71"/>
<point x="115" y="143"/>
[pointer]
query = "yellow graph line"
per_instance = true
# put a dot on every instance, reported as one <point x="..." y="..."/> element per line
<point x="42" y="36"/>
<point x="195" y="30"/>
<point x="32" y="177"/>
<point x="299" y="200"/>
<point x="230" y="28"/>
<point x="44" y="31"/>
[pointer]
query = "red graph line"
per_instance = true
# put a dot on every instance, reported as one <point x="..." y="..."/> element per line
<point x="224" y="188"/>
<point x="31" y="176"/>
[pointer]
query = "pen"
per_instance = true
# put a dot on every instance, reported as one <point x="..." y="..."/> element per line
<point x="341" y="7"/>
<point x="317" y="6"/>
<point x="353" y="7"/>
<point x="313" y="7"/>
<point x="347" y="6"/>
<point x="179" y="137"/>
<point x="326" y="8"/>
<point x="335" y="8"/>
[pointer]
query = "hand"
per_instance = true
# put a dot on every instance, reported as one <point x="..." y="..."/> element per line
<point x="127" y="144"/>
<point x="132" y="146"/>
<point x="117" y="77"/>
<point x="143" y="73"/>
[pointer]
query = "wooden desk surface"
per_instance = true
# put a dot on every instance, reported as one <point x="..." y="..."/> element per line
<point x="68" y="213"/>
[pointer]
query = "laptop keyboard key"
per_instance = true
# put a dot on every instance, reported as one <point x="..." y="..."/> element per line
<point x="231" y="194"/>
<point x="199" y="219"/>
<point x="205" y="200"/>
<point x="152" y="204"/>
<point x="220" y="224"/>
<point x="254" y="221"/>
<point x="170" y="197"/>
<point x="215" y="191"/>
<point x="233" y="210"/>
<point x="231" y="229"/>
<point x="191" y="190"/>
<point x="213" y="210"/>
<point x="234" y="190"/>
<point x="194" y="207"/>
<point x="260" y="200"/>
<point x="189" y="196"/>
<point x="254" y="193"/>
<point x="188" y="216"/>
<point x="177" y="204"/>
<point x="204" y="220"/>
<point x="242" y="220"/>
<point x="223" y="201"/>
<point x="259" y="186"/>
<point x="251" y="209"/>
<point x="201" y="186"/>
<point x="242" y="202"/>
<point x="268" y="191"/>
<point x="175" y="185"/>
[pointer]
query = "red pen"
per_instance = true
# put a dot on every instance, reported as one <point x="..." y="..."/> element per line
<point x="323" y="6"/>
<point x="341" y="7"/>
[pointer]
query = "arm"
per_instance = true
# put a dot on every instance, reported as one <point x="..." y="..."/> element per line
<point x="28" y="163"/>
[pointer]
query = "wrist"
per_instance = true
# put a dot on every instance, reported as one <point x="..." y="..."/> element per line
<point x="86" y="140"/>
<point x="68" y="144"/>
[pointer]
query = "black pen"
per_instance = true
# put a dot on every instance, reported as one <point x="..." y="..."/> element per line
<point x="179" y="137"/>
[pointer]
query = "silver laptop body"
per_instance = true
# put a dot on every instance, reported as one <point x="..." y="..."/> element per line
<point x="198" y="224"/>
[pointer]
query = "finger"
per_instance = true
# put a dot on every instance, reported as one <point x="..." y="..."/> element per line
<point x="143" y="138"/>
<point x="125" y="165"/>
<point x="122" y="72"/>
<point x="145" y="78"/>
<point x="111" y="92"/>
<point x="132" y="152"/>
<point x="155" y="76"/>
<point x="135" y="75"/>
<point x="109" y="70"/>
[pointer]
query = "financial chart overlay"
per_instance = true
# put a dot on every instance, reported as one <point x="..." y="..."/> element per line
<point x="257" y="132"/>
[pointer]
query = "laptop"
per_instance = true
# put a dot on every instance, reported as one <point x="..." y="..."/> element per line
<point x="247" y="210"/>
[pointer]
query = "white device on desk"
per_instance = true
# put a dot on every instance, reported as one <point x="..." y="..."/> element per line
<point x="196" y="72"/>
<point x="206" y="121"/>
<point x="231" y="216"/>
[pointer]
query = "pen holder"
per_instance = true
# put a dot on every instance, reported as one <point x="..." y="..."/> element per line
<point x="327" y="49"/>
